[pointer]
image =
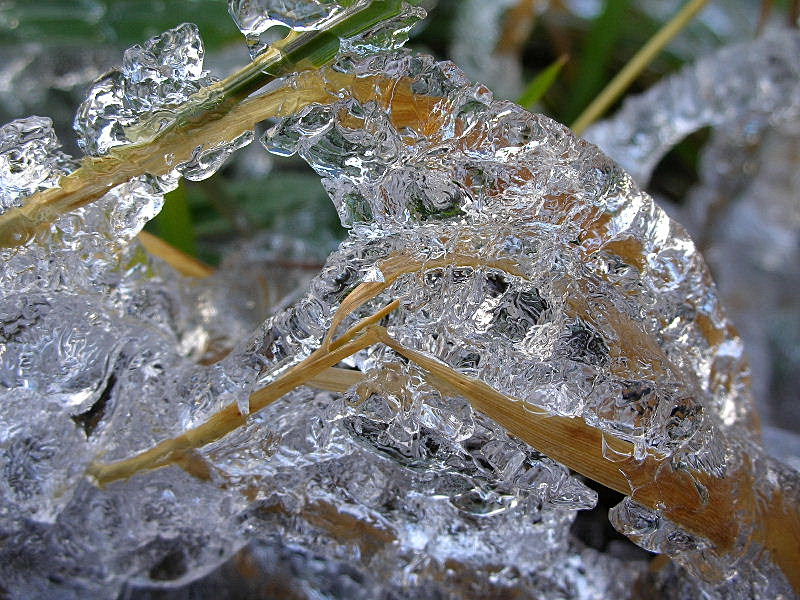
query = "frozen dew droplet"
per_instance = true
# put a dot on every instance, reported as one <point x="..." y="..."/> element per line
<point x="207" y="161"/>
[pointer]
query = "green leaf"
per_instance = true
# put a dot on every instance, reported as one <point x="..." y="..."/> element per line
<point x="119" y="23"/>
<point x="174" y="222"/>
<point x="597" y="55"/>
<point x="540" y="84"/>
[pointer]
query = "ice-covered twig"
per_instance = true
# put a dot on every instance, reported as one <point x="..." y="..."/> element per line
<point x="215" y="114"/>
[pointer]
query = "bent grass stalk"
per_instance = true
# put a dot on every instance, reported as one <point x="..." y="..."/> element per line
<point x="231" y="418"/>
<point x="730" y="508"/>
<point x="221" y="112"/>
<point x="212" y="115"/>
<point x="332" y="350"/>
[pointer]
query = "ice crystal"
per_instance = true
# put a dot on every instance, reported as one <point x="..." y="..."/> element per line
<point x="29" y="159"/>
<point x="160" y="74"/>
<point x="256" y="17"/>
<point x="744" y="87"/>
<point x="477" y="32"/>
<point x="258" y="20"/>
<point x="134" y="102"/>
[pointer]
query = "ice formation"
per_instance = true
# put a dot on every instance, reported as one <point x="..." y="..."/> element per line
<point x="745" y="211"/>
<point x="521" y="256"/>
<point x="257" y="17"/>
<point x="745" y="87"/>
<point x="477" y="31"/>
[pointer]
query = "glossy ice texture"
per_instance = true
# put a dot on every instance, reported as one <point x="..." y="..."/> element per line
<point x="745" y="210"/>
<point x="255" y="18"/>
<point x="545" y="272"/>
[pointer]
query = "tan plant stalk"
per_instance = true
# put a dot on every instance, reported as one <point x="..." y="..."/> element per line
<point x="716" y="515"/>
<point x="231" y="418"/>
<point x="637" y="64"/>
<point x="164" y="141"/>
<point x="732" y="505"/>
<point x="177" y="259"/>
<point x="720" y="514"/>
<point x="333" y="350"/>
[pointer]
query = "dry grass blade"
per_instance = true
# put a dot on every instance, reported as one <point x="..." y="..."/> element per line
<point x="336" y="380"/>
<point x="230" y="418"/>
<point x="637" y="64"/>
<point x="178" y="260"/>
<point x="717" y="515"/>
<point x="157" y="156"/>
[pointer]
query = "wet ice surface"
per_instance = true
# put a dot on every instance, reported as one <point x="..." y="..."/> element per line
<point x="134" y="102"/>
<point x="160" y="74"/>
<point x="30" y="159"/>
<point x="255" y="18"/>
<point x="744" y="212"/>
<point x="393" y="486"/>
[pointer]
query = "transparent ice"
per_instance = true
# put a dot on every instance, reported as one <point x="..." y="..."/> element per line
<point x="745" y="211"/>
<point x="134" y="102"/>
<point x="393" y="488"/>
<point x="255" y="18"/>
<point x="476" y="33"/>
<point x="745" y="87"/>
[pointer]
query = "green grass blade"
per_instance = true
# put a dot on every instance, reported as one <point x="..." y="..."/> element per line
<point x="540" y="84"/>
<point x="597" y="55"/>
<point x="174" y="223"/>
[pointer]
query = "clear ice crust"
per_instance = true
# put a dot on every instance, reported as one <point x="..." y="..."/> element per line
<point x="541" y="269"/>
<point x="744" y="212"/>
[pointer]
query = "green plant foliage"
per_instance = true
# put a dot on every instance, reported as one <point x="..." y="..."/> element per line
<point x="114" y="22"/>
<point x="541" y="84"/>
<point x="174" y="222"/>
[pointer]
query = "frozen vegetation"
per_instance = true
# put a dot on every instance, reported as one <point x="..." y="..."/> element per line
<point x="509" y="316"/>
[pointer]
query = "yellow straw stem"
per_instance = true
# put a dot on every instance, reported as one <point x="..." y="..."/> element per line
<point x="177" y="259"/>
<point x="637" y="64"/>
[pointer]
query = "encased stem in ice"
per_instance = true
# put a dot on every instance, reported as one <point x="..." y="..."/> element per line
<point x="231" y="418"/>
<point x="209" y="113"/>
<point x="730" y="509"/>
